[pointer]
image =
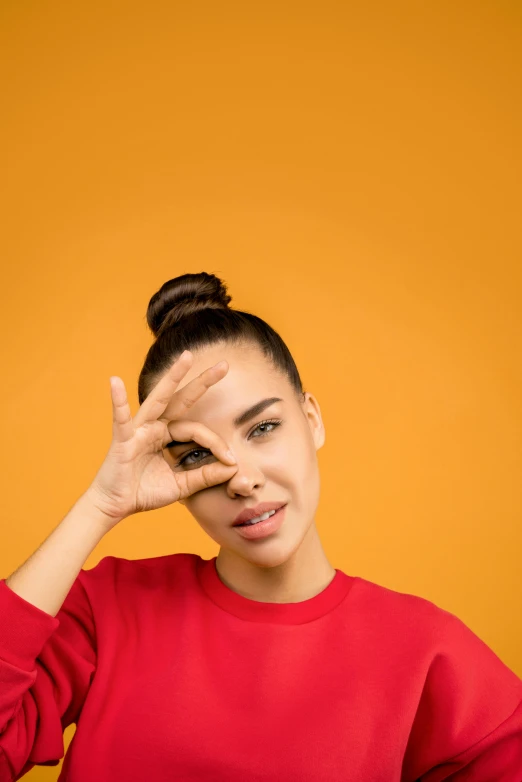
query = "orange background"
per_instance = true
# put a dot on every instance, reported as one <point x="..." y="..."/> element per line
<point x="352" y="171"/>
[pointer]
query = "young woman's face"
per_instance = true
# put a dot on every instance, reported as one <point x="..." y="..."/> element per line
<point x="276" y="462"/>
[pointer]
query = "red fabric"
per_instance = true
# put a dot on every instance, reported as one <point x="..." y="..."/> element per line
<point x="170" y="675"/>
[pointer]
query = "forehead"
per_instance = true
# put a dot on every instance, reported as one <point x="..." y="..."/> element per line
<point x="250" y="377"/>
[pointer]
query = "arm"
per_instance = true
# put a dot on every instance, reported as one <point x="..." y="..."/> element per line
<point x="47" y="644"/>
<point x="468" y="724"/>
<point x="47" y="576"/>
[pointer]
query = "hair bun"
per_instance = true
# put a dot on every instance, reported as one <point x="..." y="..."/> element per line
<point x="183" y="296"/>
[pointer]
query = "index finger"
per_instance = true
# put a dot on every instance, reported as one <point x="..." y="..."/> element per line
<point x="156" y="403"/>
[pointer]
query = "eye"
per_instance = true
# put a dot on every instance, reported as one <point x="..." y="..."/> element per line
<point x="274" y="422"/>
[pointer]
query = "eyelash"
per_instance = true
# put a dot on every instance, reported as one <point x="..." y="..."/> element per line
<point x="274" y="421"/>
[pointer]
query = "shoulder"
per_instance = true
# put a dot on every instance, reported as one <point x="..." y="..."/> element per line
<point x="422" y="627"/>
<point x="391" y="608"/>
<point x="118" y="576"/>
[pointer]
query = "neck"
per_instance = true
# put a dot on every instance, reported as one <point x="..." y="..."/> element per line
<point x="304" y="574"/>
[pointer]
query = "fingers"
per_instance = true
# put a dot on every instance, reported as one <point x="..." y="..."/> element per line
<point x="158" y="399"/>
<point x="190" y="394"/>
<point x="193" y="481"/>
<point x="186" y="430"/>
<point x="163" y="393"/>
<point x="122" y="427"/>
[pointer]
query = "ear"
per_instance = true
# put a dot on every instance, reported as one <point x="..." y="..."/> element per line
<point x="312" y="413"/>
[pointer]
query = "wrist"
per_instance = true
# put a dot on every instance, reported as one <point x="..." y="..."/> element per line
<point x="92" y="503"/>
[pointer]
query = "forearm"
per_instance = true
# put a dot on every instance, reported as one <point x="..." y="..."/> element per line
<point x="47" y="576"/>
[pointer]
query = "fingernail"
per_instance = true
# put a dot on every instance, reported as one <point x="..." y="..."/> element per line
<point x="230" y="456"/>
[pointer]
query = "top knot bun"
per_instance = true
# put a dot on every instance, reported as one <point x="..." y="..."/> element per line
<point x="183" y="296"/>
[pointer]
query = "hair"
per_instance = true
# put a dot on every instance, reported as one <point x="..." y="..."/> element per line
<point x="190" y="312"/>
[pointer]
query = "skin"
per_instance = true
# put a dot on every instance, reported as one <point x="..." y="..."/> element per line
<point x="273" y="464"/>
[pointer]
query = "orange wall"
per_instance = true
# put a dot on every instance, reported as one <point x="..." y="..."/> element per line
<point x="352" y="170"/>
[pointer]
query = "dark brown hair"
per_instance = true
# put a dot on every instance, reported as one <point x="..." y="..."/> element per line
<point x="191" y="311"/>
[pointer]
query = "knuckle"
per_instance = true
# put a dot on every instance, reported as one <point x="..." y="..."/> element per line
<point x="187" y="401"/>
<point x="205" y="479"/>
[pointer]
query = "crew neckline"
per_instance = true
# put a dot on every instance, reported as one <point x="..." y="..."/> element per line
<point x="279" y="613"/>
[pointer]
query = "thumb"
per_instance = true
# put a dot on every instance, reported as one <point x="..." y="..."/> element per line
<point x="206" y="477"/>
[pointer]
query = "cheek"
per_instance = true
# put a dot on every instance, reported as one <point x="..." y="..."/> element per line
<point x="307" y="469"/>
<point x="297" y="449"/>
<point x="292" y="454"/>
<point x="208" y="511"/>
<point x="197" y="507"/>
<point x="289" y="447"/>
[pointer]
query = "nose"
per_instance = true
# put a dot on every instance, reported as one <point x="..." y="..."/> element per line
<point x="247" y="477"/>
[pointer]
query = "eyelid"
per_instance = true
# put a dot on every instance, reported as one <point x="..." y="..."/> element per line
<point x="266" y="421"/>
<point x="276" y="421"/>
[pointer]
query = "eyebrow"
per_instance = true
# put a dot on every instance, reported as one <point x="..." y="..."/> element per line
<point x="241" y="419"/>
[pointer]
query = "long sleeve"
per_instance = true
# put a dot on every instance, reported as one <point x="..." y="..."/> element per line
<point x="46" y="666"/>
<point x="468" y="724"/>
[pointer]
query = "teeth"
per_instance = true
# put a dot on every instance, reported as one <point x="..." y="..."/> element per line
<point x="261" y="518"/>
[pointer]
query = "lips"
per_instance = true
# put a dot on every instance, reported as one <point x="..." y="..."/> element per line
<point x="251" y="513"/>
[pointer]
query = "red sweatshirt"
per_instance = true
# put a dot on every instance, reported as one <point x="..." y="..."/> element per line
<point x="169" y="674"/>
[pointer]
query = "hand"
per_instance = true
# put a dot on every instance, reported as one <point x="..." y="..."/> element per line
<point x="135" y="476"/>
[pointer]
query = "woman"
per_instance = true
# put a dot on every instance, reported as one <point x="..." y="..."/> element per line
<point x="265" y="662"/>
